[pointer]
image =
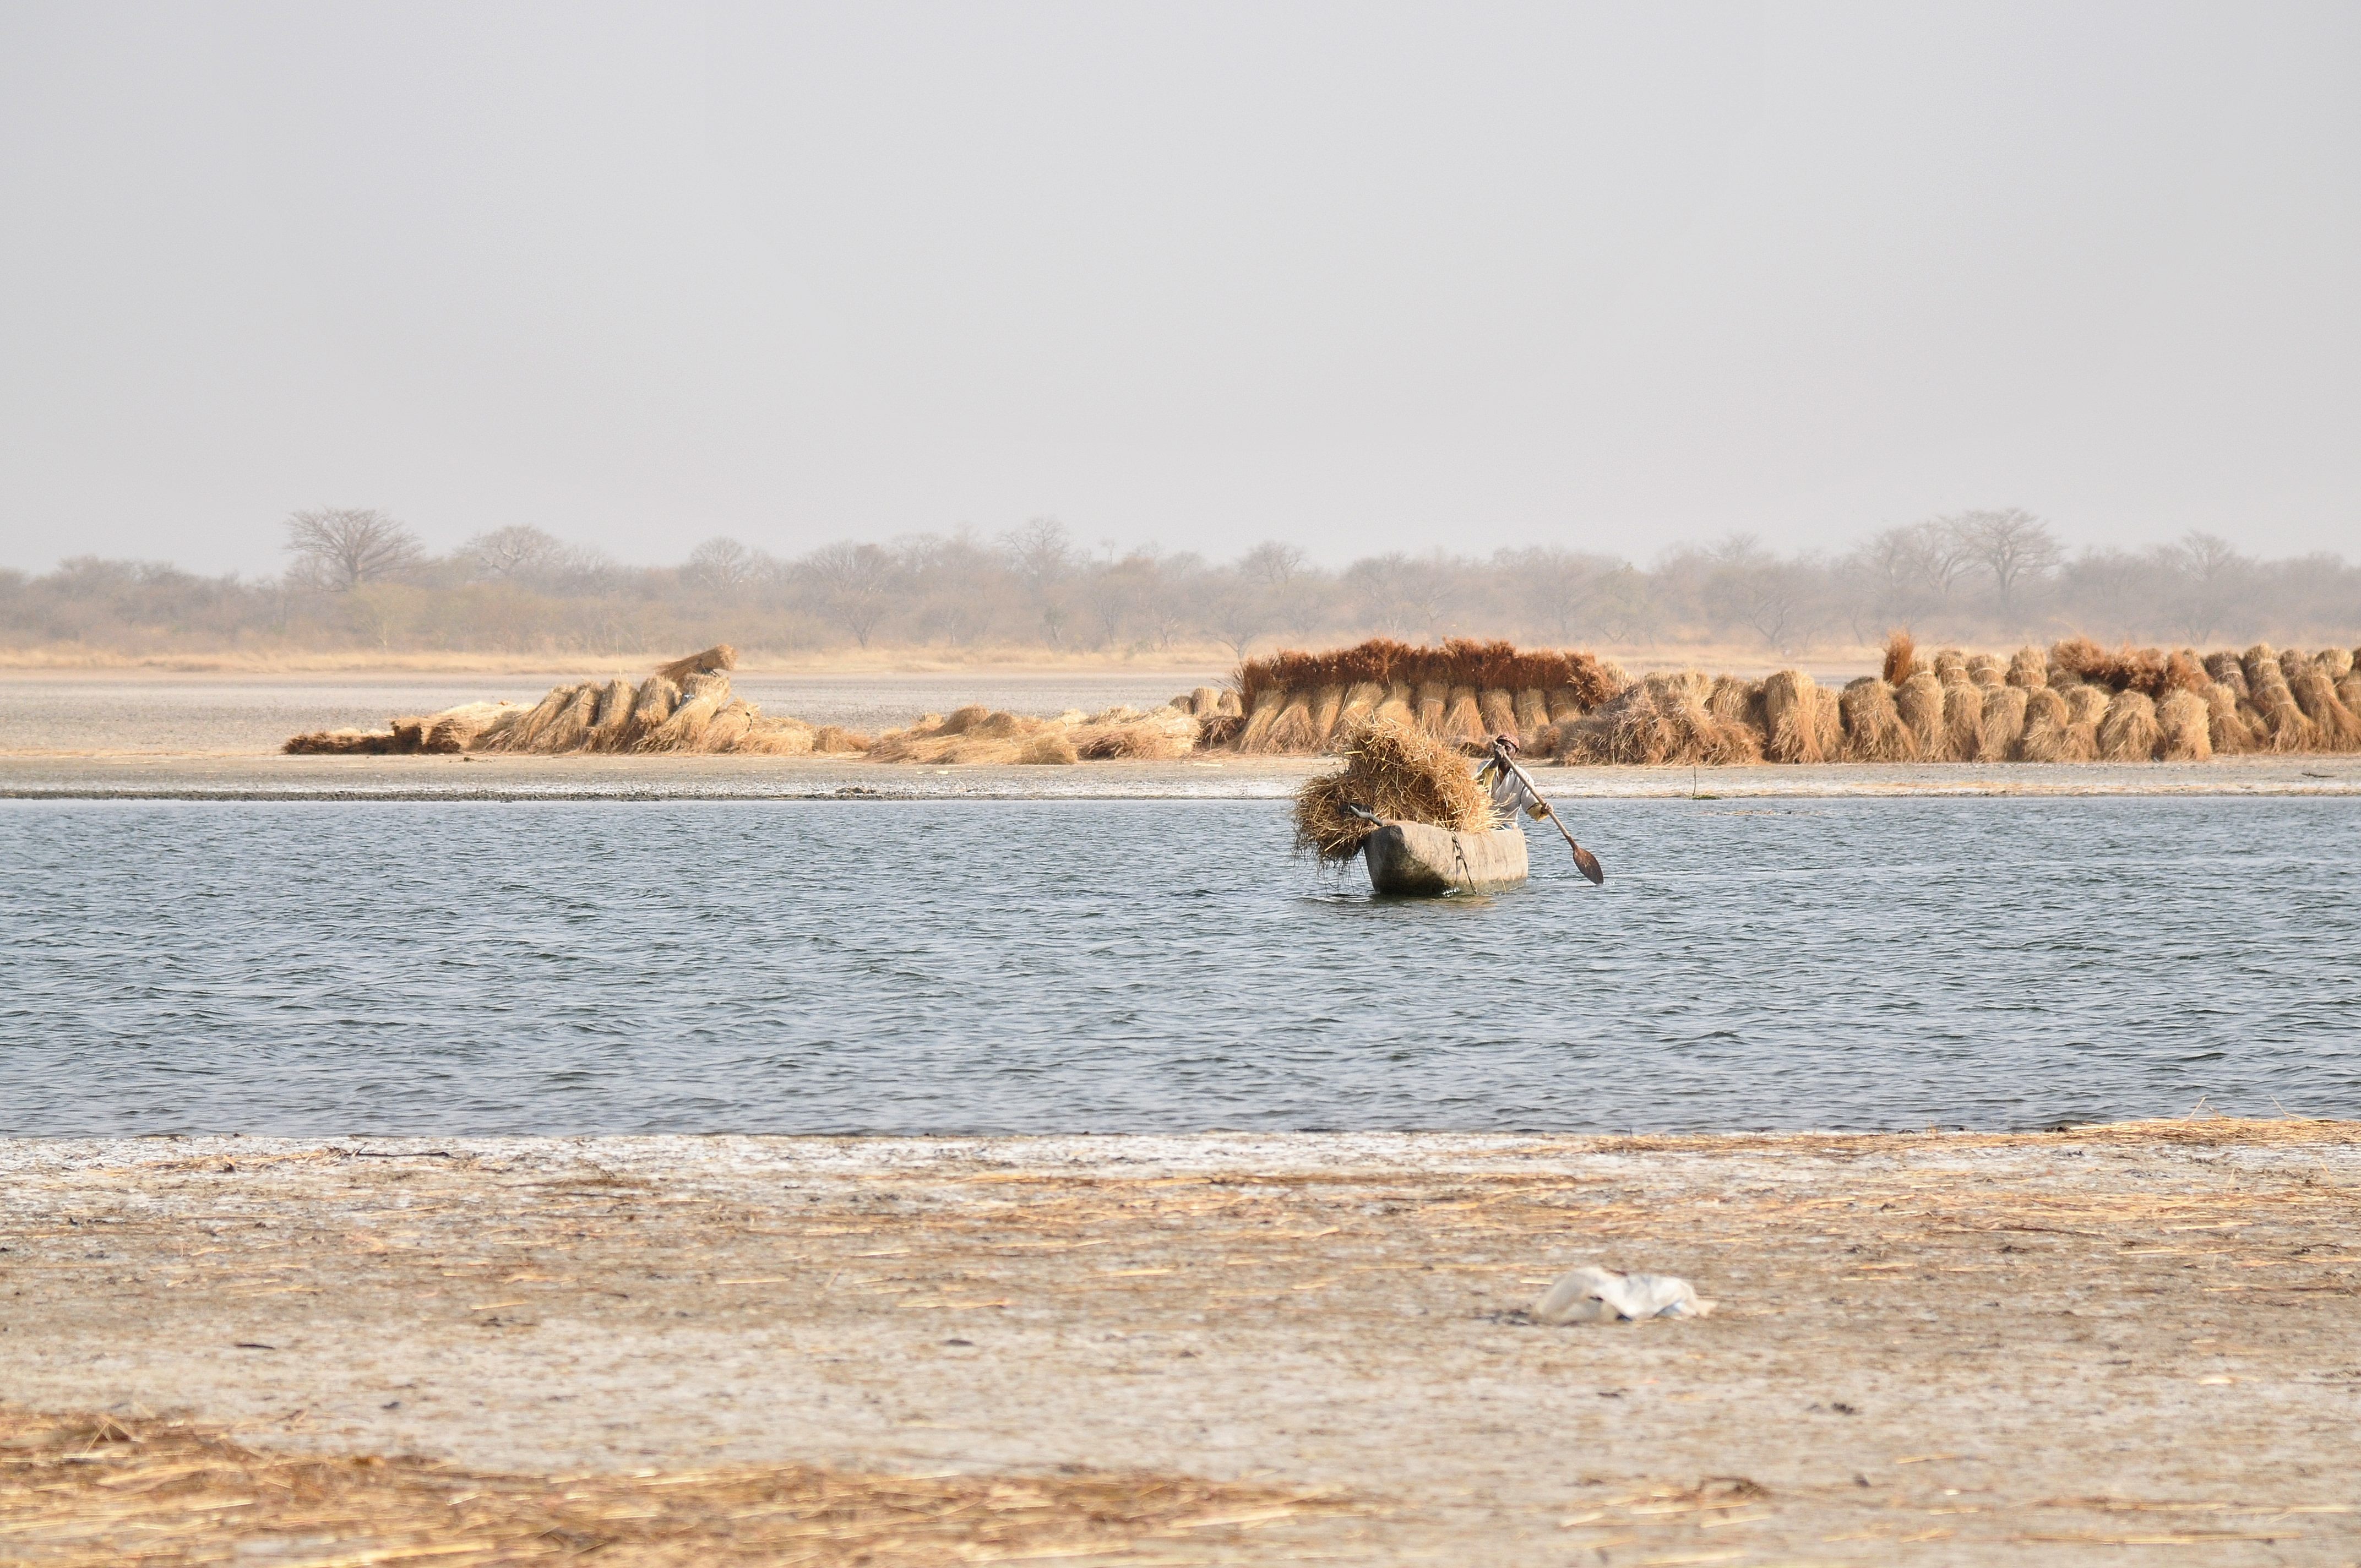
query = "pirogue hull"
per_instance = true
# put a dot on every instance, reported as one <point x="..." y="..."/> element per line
<point x="1412" y="858"/>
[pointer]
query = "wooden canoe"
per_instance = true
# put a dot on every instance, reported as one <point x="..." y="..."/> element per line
<point x="1412" y="858"/>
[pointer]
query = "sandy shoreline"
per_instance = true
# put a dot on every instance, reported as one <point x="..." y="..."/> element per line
<point x="1929" y="1347"/>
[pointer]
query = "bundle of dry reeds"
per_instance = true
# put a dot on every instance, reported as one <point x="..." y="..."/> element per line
<point x="1794" y="730"/>
<point x="1668" y="717"/>
<point x="687" y="706"/>
<point x="1459" y="662"/>
<point x="1392" y="770"/>
<point x="716" y="659"/>
<point x="978" y="734"/>
<point x="1901" y="657"/>
<point x="1463" y="691"/>
<point x="1875" y="731"/>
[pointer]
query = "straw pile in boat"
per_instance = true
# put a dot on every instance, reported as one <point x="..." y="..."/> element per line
<point x="1392" y="770"/>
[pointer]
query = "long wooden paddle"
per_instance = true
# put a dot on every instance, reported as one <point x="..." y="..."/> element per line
<point x="1583" y="860"/>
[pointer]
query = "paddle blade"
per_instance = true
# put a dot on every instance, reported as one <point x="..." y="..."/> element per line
<point x="1587" y="864"/>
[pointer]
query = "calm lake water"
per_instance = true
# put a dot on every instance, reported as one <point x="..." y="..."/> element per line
<point x="1155" y="965"/>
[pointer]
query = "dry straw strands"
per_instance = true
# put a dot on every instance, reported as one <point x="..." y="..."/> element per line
<point x="657" y="696"/>
<point x="1463" y="719"/>
<point x="712" y="660"/>
<point x="978" y="734"/>
<point x="1901" y="658"/>
<point x="1665" y="718"/>
<point x="2226" y="721"/>
<point x="613" y="716"/>
<point x="1395" y="771"/>
<point x="2128" y="731"/>
<point x="2052" y="734"/>
<point x="1874" y="728"/>
<point x="2001" y="724"/>
<point x="102" y="1492"/>
<point x="1530" y="713"/>
<point x="1791" y="702"/>
<point x="2315" y="693"/>
<point x="1920" y="702"/>
<point x="1964" y="722"/>
<point x="1459" y="662"/>
<point x="2186" y="727"/>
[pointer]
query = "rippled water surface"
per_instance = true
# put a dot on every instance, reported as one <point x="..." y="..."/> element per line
<point x="1145" y="965"/>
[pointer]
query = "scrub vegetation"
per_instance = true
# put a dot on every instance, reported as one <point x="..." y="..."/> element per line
<point x="359" y="582"/>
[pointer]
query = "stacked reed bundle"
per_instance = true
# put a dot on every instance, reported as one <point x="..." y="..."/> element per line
<point x="1392" y="770"/>
<point x="1681" y="716"/>
<point x="2075" y="702"/>
<point x="979" y="734"/>
<point x="686" y="706"/>
<point x="1464" y="692"/>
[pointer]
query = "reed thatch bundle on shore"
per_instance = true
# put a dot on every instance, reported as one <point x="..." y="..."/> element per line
<point x="1664" y="717"/>
<point x="1394" y="771"/>
<point x="1919" y="700"/>
<point x="1874" y="728"/>
<point x="976" y="734"/>
<point x="693" y="710"/>
<point x="715" y="659"/>
<point x="2048" y="735"/>
<point x="2002" y="720"/>
<point x="1459" y="662"/>
<point x="2128" y="731"/>
<point x="1963" y="721"/>
<point x="1792" y="730"/>
<point x="2187" y="726"/>
<point x="1901" y="658"/>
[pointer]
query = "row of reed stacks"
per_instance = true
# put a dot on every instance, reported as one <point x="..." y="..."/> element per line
<point x="686" y="706"/>
<point x="2074" y="702"/>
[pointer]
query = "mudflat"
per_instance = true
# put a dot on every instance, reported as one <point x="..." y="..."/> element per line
<point x="2105" y="1344"/>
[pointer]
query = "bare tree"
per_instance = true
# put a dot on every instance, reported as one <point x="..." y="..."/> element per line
<point x="1044" y="551"/>
<point x="1288" y="581"/>
<point x="1939" y="555"/>
<point x="2012" y="546"/>
<point x="342" y="548"/>
<point x="1775" y="598"/>
<point x="2215" y="580"/>
<point x="1559" y="585"/>
<point x="1625" y="606"/>
<point x="723" y="565"/>
<point x="852" y="585"/>
<point x="508" y="554"/>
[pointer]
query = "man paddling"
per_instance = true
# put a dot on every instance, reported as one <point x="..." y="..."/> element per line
<point x="1513" y="791"/>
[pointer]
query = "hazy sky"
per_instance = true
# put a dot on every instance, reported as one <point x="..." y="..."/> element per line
<point x="1363" y="276"/>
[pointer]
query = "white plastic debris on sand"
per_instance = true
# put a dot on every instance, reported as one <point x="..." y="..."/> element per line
<point x="1594" y="1295"/>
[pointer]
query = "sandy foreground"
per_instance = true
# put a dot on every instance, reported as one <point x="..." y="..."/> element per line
<point x="2113" y="1344"/>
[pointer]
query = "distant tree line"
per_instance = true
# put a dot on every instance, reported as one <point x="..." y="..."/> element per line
<point x="361" y="580"/>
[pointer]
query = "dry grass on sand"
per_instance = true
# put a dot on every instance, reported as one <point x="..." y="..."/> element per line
<point x="109" y="1491"/>
<point x="2088" y="1346"/>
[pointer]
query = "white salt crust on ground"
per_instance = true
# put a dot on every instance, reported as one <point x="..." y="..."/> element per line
<point x="2106" y="1346"/>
